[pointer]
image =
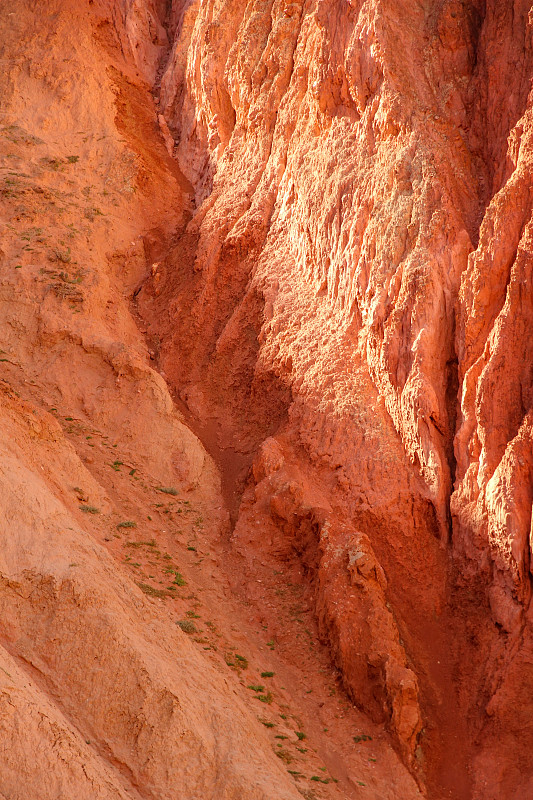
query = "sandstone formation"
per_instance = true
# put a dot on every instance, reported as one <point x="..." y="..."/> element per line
<point x="266" y="307"/>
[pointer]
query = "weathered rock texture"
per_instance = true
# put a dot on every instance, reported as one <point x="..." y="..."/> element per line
<point x="105" y="493"/>
<point x="323" y="217"/>
<point x="355" y="284"/>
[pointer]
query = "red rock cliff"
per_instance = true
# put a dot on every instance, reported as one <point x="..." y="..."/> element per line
<point x="313" y="218"/>
<point x="355" y="285"/>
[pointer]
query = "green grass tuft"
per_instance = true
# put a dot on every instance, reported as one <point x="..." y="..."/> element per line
<point x="151" y="591"/>
<point x="187" y="626"/>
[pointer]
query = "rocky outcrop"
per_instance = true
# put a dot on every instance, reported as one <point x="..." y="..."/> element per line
<point x="356" y="280"/>
<point x="350" y="592"/>
<point x="492" y="501"/>
<point x="321" y="212"/>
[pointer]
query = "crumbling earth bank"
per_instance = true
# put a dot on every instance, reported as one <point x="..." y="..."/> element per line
<point x="362" y="177"/>
<point x="310" y="222"/>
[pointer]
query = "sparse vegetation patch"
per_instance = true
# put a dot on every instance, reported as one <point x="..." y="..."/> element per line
<point x="90" y="509"/>
<point x="187" y="626"/>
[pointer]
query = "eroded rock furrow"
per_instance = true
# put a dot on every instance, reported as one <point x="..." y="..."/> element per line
<point x="356" y="294"/>
<point x="309" y="223"/>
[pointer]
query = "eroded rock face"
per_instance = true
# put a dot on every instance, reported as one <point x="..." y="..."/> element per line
<point x="356" y="284"/>
<point x="101" y="694"/>
<point x="350" y="596"/>
<point x="324" y="218"/>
